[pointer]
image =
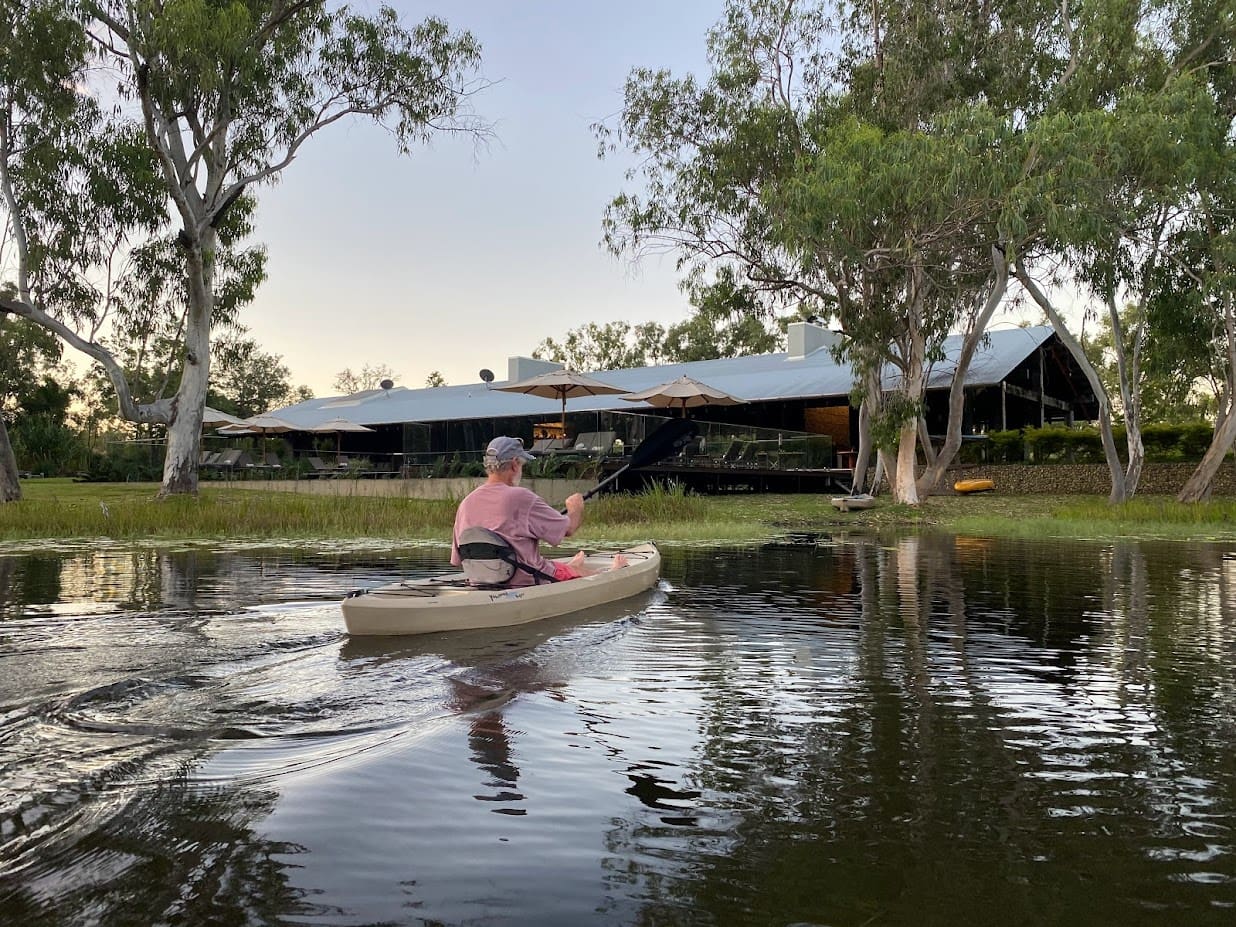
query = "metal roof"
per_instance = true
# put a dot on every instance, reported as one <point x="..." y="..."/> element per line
<point x="757" y="378"/>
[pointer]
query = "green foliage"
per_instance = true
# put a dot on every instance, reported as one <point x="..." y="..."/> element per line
<point x="1187" y="441"/>
<point x="658" y="503"/>
<point x="896" y="409"/>
<point x="728" y="319"/>
<point x="44" y="444"/>
<point x="62" y="509"/>
<point x="609" y="346"/>
<point x="244" y="379"/>
<point x="124" y="462"/>
<point x="28" y="353"/>
<point x="1164" y="443"/>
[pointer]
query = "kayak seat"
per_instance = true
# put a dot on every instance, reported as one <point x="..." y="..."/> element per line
<point x="488" y="559"/>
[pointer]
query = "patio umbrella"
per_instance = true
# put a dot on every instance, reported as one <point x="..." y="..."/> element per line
<point x="562" y="385"/>
<point x="683" y="393"/>
<point x="213" y="418"/>
<point x="260" y="425"/>
<point x="338" y="426"/>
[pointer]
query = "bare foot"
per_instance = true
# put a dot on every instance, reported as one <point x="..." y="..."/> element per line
<point x="620" y="560"/>
<point x="578" y="560"/>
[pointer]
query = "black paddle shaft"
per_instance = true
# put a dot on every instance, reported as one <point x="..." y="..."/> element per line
<point x="669" y="439"/>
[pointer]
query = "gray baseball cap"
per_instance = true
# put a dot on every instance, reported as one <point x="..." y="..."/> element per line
<point x="503" y="449"/>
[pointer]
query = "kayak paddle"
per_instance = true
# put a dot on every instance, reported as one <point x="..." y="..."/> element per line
<point x="670" y="438"/>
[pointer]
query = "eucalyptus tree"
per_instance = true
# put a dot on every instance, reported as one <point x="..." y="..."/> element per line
<point x="1205" y="286"/>
<point x="226" y="95"/>
<point x="898" y="174"/>
<point x="46" y="161"/>
<point x="854" y="157"/>
<point x="1178" y="382"/>
<point x="1144" y="123"/>
<point x="1206" y="248"/>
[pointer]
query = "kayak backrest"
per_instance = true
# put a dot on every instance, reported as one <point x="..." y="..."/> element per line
<point x="487" y="557"/>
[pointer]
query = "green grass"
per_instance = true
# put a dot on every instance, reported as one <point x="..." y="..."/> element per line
<point x="61" y="509"/>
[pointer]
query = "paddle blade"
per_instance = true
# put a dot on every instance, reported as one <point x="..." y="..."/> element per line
<point x="669" y="439"/>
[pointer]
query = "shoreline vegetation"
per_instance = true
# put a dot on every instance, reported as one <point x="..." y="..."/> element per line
<point x="60" y="509"/>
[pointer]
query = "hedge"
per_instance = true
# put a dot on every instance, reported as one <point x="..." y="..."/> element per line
<point x="1082" y="444"/>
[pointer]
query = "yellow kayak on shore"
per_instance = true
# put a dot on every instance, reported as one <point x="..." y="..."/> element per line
<point x="969" y="486"/>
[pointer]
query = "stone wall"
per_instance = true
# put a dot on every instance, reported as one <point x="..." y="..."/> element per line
<point x="1093" y="479"/>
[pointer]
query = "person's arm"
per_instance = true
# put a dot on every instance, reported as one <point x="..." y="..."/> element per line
<point x="575" y="513"/>
<point x="547" y="524"/>
<point x="456" y="560"/>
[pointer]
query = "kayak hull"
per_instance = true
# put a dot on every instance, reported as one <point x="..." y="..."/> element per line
<point x="853" y="503"/>
<point x="448" y="604"/>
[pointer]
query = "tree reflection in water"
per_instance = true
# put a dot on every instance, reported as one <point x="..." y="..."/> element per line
<point x="887" y="730"/>
<point x="1023" y="735"/>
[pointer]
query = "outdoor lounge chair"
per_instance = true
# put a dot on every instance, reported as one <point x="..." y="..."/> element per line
<point x="730" y="457"/>
<point x="319" y="467"/>
<point x="693" y="453"/>
<point x="594" y="443"/>
<point x="746" y="457"/>
<point x="547" y="445"/>
<point x="233" y="460"/>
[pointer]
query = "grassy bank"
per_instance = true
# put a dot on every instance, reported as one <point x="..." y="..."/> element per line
<point x="55" y="509"/>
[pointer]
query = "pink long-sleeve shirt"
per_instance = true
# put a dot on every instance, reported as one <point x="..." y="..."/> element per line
<point x="520" y="516"/>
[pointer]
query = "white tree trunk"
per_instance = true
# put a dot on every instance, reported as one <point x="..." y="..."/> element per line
<point x="870" y="406"/>
<point x="937" y="466"/>
<point x="904" y="478"/>
<point x="1201" y="482"/>
<point x="1118" y="493"/>
<point x="10" y="487"/>
<point x="184" y="431"/>
<point x="905" y="483"/>
<point x="1129" y="370"/>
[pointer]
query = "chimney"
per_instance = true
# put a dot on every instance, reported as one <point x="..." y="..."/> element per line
<point x="521" y="368"/>
<point x="805" y="338"/>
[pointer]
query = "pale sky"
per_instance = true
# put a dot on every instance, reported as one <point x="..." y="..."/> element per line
<point x="454" y="259"/>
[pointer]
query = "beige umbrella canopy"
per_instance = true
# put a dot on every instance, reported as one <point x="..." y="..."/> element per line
<point x="337" y="427"/>
<point x="683" y="393"/>
<point x="260" y="425"/>
<point x="213" y="418"/>
<point x="562" y="385"/>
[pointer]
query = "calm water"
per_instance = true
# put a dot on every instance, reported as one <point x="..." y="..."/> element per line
<point x="919" y="731"/>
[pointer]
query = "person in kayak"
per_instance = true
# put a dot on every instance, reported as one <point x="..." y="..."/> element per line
<point x="521" y="517"/>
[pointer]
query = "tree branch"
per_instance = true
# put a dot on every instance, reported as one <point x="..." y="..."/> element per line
<point x="147" y="413"/>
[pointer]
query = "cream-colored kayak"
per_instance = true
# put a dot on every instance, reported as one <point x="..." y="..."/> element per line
<point x="448" y="603"/>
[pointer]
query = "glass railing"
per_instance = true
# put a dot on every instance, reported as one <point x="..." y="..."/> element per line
<point x="590" y="438"/>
